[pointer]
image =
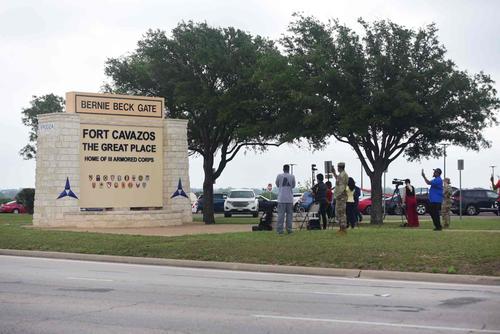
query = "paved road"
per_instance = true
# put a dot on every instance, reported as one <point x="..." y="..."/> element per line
<point x="63" y="296"/>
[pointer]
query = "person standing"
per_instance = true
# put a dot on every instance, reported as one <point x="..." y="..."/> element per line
<point x="285" y="183"/>
<point x="497" y="188"/>
<point x="340" y="195"/>
<point x="446" y="207"/>
<point x="329" y="200"/>
<point x="352" y="201"/>
<point x="319" y="191"/>
<point x="410" y="201"/>
<point x="435" y="197"/>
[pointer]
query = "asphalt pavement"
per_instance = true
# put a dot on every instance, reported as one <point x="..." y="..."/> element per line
<point x="40" y="295"/>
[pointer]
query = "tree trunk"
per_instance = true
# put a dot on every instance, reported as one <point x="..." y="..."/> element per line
<point x="208" y="191"/>
<point x="377" y="208"/>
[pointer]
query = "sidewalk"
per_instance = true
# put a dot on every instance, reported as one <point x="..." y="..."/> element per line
<point x="167" y="231"/>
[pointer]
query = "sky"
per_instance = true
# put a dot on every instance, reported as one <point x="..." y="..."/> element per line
<point x="60" y="46"/>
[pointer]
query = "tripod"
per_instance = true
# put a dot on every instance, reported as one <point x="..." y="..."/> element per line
<point x="397" y="203"/>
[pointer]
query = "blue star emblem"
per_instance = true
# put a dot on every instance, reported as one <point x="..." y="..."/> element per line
<point x="179" y="191"/>
<point x="67" y="191"/>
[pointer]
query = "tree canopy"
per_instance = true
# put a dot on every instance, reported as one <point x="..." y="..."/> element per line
<point x="45" y="104"/>
<point x="207" y="76"/>
<point x="27" y="198"/>
<point x="387" y="93"/>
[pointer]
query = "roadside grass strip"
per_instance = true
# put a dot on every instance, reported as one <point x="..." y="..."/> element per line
<point x="386" y="247"/>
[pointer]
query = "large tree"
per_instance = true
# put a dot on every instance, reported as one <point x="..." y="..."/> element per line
<point x="387" y="93"/>
<point x="45" y="104"/>
<point x="206" y="76"/>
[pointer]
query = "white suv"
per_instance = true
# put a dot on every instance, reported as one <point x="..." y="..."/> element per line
<point x="241" y="201"/>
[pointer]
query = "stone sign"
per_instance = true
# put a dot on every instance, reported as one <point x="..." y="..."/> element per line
<point x="118" y="158"/>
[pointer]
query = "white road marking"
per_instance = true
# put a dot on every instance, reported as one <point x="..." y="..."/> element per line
<point x="90" y="279"/>
<point x="387" y="324"/>
<point x="346" y="294"/>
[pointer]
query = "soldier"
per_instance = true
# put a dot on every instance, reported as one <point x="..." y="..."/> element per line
<point x="340" y="195"/>
<point x="445" y="209"/>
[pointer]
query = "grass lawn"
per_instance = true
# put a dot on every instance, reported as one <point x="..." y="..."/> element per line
<point x="467" y="223"/>
<point x="388" y="247"/>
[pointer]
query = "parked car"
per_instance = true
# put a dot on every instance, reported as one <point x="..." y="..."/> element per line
<point x="305" y="202"/>
<point x="241" y="201"/>
<point x="265" y="203"/>
<point x="422" y="195"/>
<point x="365" y="205"/>
<point x="218" y="203"/>
<point x="12" y="207"/>
<point x="422" y="201"/>
<point x="474" y="201"/>
<point x="296" y="200"/>
<point x="194" y="202"/>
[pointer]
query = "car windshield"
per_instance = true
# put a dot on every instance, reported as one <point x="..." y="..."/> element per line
<point x="241" y="194"/>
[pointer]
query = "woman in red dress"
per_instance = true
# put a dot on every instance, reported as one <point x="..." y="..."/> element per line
<point x="411" y="204"/>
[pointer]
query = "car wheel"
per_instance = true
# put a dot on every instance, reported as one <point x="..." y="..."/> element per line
<point x="472" y="210"/>
<point x="16" y="211"/>
<point x="398" y="211"/>
<point x="368" y="210"/>
<point x="421" y="209"/>
<point x="255" y="214"/>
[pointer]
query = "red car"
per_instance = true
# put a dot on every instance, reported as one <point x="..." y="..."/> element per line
<point x="12" y="207"/>
<point x="365" y="204"/>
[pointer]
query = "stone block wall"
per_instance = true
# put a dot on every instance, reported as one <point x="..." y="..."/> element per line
<point x="58" y="158"/>
<point x="176" y="166"/>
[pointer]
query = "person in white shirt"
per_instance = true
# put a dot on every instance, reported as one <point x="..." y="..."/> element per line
<point x="285" y="183"/>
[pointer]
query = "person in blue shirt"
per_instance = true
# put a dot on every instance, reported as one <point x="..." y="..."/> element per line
<point x="435" y="197"/>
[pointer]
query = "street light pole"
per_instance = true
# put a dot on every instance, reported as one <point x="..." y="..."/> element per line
<point x="291" y="168"/>
<point x="492" y="170"/>
<point x="361" y="174"/>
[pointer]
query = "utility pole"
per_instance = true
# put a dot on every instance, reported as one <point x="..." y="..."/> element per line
<point x="444" y="157"/>
<point x="291" y="168"/>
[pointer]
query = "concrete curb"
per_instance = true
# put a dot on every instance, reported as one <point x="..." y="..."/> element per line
<point x="297" y="270"/>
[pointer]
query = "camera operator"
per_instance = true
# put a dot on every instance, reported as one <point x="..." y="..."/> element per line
<point x="410" y="202"/>
<point x="319" y="192"/>
<point x="435" y="197"/>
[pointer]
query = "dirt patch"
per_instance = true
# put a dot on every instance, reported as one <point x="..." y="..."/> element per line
<point x="168" y="231"/>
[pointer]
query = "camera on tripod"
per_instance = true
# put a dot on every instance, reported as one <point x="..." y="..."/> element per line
<point x="398" y="182"/>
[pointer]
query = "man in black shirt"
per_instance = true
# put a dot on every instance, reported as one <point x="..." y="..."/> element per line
<point x="319" y="192"/>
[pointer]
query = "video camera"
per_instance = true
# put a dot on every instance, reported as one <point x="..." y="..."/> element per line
<point x="398" y="182"/>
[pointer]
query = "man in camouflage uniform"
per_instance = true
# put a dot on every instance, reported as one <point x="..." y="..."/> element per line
<point x="340" y="195"/>
<point x="446" y="206"/>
